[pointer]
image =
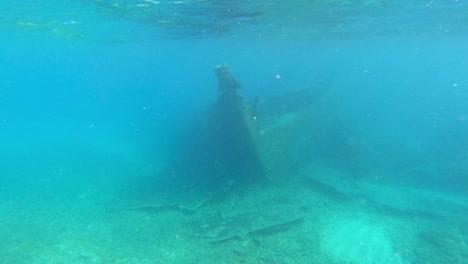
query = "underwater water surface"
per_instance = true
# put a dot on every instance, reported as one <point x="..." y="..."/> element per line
<point x="120" y="143"/>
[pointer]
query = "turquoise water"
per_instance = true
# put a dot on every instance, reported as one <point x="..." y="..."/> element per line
<point x="114" y="148"/>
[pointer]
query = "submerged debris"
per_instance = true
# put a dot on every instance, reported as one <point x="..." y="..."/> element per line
<point x="237" y="224"/>
<point x="185" y="206"/>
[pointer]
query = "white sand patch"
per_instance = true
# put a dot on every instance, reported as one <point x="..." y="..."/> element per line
<point x="354" y="240"/>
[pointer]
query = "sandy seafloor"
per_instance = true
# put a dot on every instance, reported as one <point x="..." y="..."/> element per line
<point x="81" y="225"/>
